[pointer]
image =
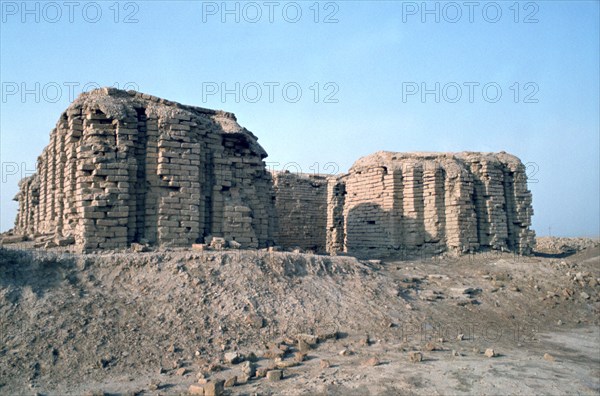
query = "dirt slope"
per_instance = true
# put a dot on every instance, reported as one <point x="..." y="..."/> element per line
<point x="125" y="322"/>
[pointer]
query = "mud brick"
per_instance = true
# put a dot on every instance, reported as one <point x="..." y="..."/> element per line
<point x="432" y="201"/>
<point x="173" y="174"/>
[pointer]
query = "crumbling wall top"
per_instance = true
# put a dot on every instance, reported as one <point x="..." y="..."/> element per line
<point x="453" y="163"/>
<point x="116" y="104"/>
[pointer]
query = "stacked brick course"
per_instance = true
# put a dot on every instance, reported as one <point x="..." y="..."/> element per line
<point x="125" y="167"/>
<point x="301" y="205"/>
<point x="431" y="202"/>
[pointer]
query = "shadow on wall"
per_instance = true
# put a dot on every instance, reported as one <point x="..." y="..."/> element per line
<point x="372" y="231"/>
<point x="367" y="229"/>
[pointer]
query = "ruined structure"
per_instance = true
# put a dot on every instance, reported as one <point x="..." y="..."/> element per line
<point x="432" y="202"/>
<point x="125" y="167"/>
<point x="301" y="207"/>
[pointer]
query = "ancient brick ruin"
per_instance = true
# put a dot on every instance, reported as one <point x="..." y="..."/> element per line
<point x="301" y="207"/>
<point x="432" y="202"/>
<point x="125" y="167"/>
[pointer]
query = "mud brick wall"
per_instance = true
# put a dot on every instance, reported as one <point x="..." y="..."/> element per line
<point x="432" y="202"/>
<point x="125" y="167"/>
<point x="368" y="200"/>
<point x="301" y="206"/>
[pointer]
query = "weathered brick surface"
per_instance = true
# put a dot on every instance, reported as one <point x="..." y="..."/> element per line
<point x="124" y="167"/>
<point x="430" y="201"/>
<point x="301" y="205"/>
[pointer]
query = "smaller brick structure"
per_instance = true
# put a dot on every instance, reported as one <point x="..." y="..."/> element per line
<point x="432" y="202"/>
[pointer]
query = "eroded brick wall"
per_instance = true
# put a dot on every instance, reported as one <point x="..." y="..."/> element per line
<point x="125" y="167"/>
<point x="431" y="202"/>
<point x="301" y="206"/>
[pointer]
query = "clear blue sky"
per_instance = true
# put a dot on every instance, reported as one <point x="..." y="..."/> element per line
<point x="370" y="60"/>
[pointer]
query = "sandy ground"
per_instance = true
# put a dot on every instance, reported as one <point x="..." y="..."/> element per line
<point x="152" y="323"/>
